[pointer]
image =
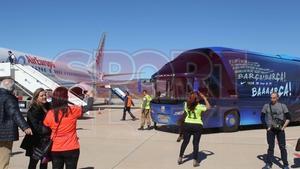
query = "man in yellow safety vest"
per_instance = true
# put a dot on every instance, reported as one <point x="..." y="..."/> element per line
<point x="145" y="116"/>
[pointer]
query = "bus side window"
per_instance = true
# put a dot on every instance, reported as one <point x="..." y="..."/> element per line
<point x="231" y="93"/>
<point x="189" y="85"/>
<point x="204" y="91"/>
<point x="213" y="82"/>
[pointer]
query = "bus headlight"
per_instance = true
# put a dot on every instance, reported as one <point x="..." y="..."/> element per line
<point x="178" y="113"/>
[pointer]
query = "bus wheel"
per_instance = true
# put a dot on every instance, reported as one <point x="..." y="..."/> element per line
<point x="155" y="125"/>
<point x="231" y="121"/>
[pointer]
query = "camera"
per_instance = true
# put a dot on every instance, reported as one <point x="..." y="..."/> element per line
<point x="277" y="124"/>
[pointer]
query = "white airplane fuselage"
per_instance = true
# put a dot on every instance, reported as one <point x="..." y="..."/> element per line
<point x="66" y="70"/>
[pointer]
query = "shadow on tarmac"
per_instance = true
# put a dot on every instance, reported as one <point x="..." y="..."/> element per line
<point x="16" y="153"/>
<point x="86" y="118"/>
<point x="275" y="160"/>
<point x="81" y="128"/>
<point x="174" y="129"/>
<point x="168" y="128"/>
<point x="202" y="155"/>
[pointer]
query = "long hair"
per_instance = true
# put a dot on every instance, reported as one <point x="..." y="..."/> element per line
<point x="36" y="96"/>
<point x="60" y="102"/>
<point x="192" y="101"/>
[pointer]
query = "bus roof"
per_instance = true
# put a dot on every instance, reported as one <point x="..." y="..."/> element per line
<point x="279" y="56"/>
<point x="165" y="70"/>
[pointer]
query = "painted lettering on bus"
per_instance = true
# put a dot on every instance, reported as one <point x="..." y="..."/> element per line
<point x="282" y="90"/>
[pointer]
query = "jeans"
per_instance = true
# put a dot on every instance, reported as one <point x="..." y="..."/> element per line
<point x="127" y="109"/>
<point x="33" y="163"/>
<point x="280" y="134"/>
<point x="70" y="158"/>
<point x="189" y="130"/>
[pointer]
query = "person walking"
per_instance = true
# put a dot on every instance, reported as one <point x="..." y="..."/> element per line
<point x="276" y="117"/>
<point x="193" y="125"/>
<point x="10" y="119"/>
<point x="89" y="99"/>
<point x="127" y="106"/>
<point x="35" y="117"/>
<point x="62" y="120"/>
<point x="145" y="115"/>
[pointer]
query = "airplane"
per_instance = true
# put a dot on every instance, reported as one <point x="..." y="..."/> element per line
<point x="76" y="69"/>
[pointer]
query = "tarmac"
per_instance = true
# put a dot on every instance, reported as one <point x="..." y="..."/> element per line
<point x="108" y="143"/>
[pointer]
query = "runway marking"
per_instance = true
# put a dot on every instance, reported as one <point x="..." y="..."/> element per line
<point x="136" y="148"/>
<point x="291" y="139"/>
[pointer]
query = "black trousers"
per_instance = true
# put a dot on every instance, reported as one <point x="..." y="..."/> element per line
<point x="33" y="164"/>
<point x="68" y="158"/>
<point x="127" y="109"/>
<point x="189" y="130"/>
<point x="280" y="135"/>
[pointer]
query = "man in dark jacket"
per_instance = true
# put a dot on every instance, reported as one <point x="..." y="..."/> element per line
<point x="10" y="119"/>
<point x="11" y="57"/>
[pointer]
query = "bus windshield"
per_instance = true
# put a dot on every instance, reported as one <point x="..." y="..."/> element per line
<point x="176" y="88"/>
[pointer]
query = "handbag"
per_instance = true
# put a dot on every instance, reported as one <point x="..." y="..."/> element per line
<point x="42" y="150"/>
<point x="297" y="148"/>
<point x="27" y="142"/>
<point x="44" y="147"/>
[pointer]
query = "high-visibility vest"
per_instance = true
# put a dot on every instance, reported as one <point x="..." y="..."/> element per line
<point x="194" y="117"/>
<point x="146" y="102"/>
<point x="129" y="101"/>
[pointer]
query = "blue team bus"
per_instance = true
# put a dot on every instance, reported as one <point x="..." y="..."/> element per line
<point x="237" y="83"/>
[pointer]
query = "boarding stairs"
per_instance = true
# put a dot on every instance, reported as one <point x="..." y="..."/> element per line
<point x="118" y="92"/>
<point x="29" y="79"/>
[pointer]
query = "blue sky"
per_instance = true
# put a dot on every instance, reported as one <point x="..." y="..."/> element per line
<point x="47" y="28"/>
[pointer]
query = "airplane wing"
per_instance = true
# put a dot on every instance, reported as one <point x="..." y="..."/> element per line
<point x="120" y="74"/>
